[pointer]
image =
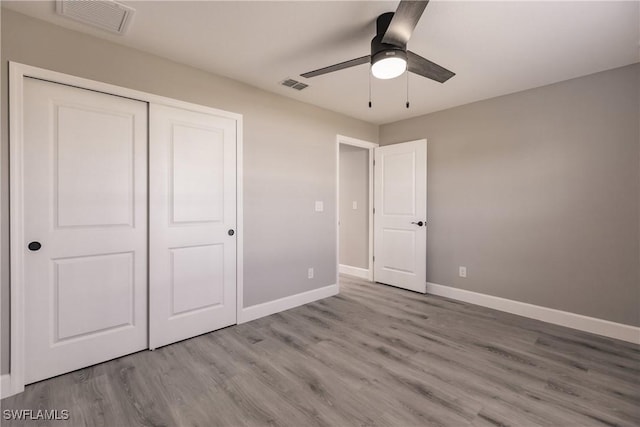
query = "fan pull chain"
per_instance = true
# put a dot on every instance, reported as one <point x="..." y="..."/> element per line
<point x="407" y="72"/>
<point x="369" y="89"/>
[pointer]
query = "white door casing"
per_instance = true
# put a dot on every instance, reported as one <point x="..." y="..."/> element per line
<point x="400" y="242"/>
<point x="192" y="221"/>
<point x="85" y="202"/>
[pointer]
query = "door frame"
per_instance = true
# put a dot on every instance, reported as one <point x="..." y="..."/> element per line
<point x="370" y="146"/>
<point x="17" y="73"/>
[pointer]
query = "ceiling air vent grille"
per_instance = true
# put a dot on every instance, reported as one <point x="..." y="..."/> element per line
<point x="104" y="14"/>
<point x="294" y="84"/>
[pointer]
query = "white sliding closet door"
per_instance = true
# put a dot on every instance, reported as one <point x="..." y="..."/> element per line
<point x="84" y="226"/>
<point x="192" y="244"/>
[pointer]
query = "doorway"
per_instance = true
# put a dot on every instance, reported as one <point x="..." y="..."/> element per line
<point x="355" y="206"/>
<point x="395" y="242"/>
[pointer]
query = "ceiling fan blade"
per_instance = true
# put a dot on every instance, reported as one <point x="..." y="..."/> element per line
<point x="424" y="67"/>
<point x="337" y="67"/>
<point x="404" y="21"/>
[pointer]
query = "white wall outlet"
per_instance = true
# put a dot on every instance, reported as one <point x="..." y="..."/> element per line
<point x="310" y="273"/>
<point x="355" y="205"/>
<point x="462" y="271"/>
<point x="319" y="206"/>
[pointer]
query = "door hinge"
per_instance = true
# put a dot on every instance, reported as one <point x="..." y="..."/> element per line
<point x="374" y="210"/>
<point x="374" y="259"/>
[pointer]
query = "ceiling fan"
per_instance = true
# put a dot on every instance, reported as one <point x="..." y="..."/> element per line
<point x="389" y="56"/>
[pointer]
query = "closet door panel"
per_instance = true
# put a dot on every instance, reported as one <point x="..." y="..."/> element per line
<point x="85" y="228"/>
<point x="192" y="223"/>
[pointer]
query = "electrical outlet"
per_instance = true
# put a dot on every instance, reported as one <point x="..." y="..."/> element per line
<point x="319" y="206"/>
<point x="462" y="271"/>
<point x="310" y="273"/>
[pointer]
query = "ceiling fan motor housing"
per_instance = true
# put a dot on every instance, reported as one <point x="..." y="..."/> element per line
<point x="380" y="50"/>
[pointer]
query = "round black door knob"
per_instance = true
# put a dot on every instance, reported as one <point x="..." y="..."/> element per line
<point x="34" y="246"/>
<point x="231" y="232"/>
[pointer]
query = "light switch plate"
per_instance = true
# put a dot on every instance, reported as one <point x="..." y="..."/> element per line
<point x="462" y="271"/>
<point x="355" y="205"/>
<point x="319" y="206"/>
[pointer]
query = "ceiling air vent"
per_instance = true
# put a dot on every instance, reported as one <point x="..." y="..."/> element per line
<point x="104" y="14"/>
<point x="294" y="84"/>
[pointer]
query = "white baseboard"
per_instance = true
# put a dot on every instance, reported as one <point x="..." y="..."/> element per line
<point x="362" y="273"/>
<point x="550" y="315"/>
<point x="265" y="309"/>
<point x="5" y="386"/>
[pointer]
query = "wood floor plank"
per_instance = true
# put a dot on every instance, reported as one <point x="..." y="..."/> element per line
<point x="373" y="355"/>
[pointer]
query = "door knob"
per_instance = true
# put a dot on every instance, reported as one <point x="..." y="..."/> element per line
<point x="34" y="246"/>
<point x="419" y="223"/>
<point x="231" y="232"/>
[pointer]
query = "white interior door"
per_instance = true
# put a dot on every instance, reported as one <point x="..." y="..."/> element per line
<point x="85" y="227"/>
<point x="192" y="223"/>
<point x="400" y="233"/>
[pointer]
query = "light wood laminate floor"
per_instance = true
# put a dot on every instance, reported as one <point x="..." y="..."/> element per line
<point x="372" y="356"/>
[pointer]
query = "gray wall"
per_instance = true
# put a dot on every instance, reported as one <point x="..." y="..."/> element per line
<point x="354" y="223"/>
<point x="289" y="154"/>
<point x="537" y="194"/>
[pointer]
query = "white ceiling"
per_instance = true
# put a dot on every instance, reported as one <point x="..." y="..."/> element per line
<point x="494" y="47"/>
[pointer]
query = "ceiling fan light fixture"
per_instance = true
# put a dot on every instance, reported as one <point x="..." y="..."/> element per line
<point x="389" y="56"/>
<point x="389" y="64"/>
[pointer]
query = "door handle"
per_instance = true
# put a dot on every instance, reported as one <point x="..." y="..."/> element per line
<point x="34" y="246"/>
<point x="419" y="223"/>
<point x="231" y="232"/>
